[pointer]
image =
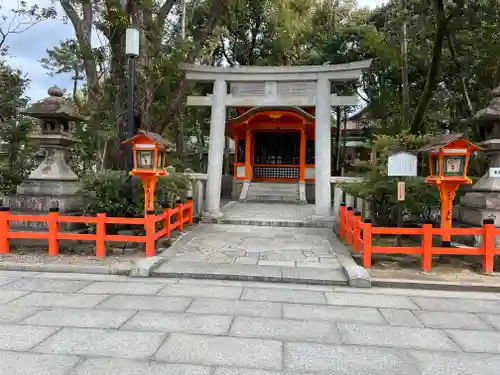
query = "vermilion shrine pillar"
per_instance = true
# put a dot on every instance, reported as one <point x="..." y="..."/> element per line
<point x="302" y="155"/>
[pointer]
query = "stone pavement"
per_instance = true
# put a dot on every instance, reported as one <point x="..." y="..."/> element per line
<point x="73" y="324"/>
<point x="243" y="252"/>
<point x="269" y="214"/>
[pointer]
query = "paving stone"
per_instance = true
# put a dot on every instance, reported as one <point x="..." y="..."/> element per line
<point x="16" y="363"/>
<point x="47" y="285"/>
<point x="91" y="318"/>
<point x="299" y="330"/>
<point x="333" y="313"/>
<point x="17" y="337"/>
<point x="243" y="371"/>
<point x="186" y="323"/>
<point x="172" y="304"/>
<point x="398" y="337"/>
<point x="325" y="275"/>
<point x="222" y="351"/>
<point x="493" y="320"/>
<point x="397" y="317"/>
<point x="13" y="314"/>
<point x="476" y="341"/>
<point x="204" y="291"/>
<point x="344" y="299"/>
<point x="283" y="295"/>
<point x="18" y="274"/>
<point x="433" y="363"/>
<point x="319" y="265"/>
<point x="259" y="284"/>
<point x="103" y="287"/>
<point x="246" y="260"/>
<point x="101" y="342"/>
<point x="7" y="280"/>
<point x="347" y="360"/>
<point x="438" y="319"/>
<point x="277" y="263"/>
<point x="458" y="305"/>
<point x="10" y="295"/>
<point x="418" y="293"/>
<point x="59" y="300"/>
<point x="111" y="366"/>
<point x="242" y="308"/>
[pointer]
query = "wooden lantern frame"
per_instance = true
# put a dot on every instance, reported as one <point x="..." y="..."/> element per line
<point x="155" y="143"/>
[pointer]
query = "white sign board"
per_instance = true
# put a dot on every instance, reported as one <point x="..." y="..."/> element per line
<point x="495" y="172"/>
<point x="402" y="164"/>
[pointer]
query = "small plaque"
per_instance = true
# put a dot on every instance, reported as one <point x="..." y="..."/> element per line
<point x="402" y="164"/>
<point x="401" y="191"/>
<point x="453" y="165"/>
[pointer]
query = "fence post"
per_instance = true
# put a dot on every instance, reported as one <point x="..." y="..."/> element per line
<point x="426" y="247"/>
<point x="342" y="220"/>
<point x="53" y="224"/>
<point x="150" y="233"/>
<point x="4" y="230"/>
<point x="348" y="226"/>
<point x="357" y="232"/>
<point x="488" y="245"/>
<point x="367" y="240"/>
<point x="180" y="215"/>
<point x="190" y="209"/>
<point x="100" y="234"/>
<point x="166" y="220"/>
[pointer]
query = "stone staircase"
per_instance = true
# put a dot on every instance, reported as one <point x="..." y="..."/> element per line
<point x="282" y="192"/>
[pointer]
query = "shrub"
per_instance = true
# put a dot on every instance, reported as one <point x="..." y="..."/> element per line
<point x="422" y="199"/>
<point x="120" y="195"/>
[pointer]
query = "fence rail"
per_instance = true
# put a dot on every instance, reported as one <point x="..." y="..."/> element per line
<point x="359" y="234"/>
<point x="182" y="213"/>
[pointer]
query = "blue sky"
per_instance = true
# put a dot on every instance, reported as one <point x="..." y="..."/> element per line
<point x="28" y="48"/>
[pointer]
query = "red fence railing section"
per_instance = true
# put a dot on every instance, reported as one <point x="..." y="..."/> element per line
<point x="359" y="234"/>
<point x="183" y="214"/>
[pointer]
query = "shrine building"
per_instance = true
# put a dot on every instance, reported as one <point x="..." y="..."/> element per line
<point x="281" y="127"/>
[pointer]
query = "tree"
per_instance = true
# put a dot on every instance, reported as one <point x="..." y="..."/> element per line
<point x="67" y="58"/>
<point x="19" y="19"/>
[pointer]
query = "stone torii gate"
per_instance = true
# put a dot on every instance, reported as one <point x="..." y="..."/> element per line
<point x="281" y="86"/>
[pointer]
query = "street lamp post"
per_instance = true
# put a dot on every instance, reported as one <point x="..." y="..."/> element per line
<point x="132" y="52"/>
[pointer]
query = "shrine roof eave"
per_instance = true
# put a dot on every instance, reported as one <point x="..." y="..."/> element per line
<point x="260" y="110"/>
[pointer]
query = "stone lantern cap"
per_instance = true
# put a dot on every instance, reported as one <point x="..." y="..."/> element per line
<point x="492" y="111"/>
<point x="55" y="107"/>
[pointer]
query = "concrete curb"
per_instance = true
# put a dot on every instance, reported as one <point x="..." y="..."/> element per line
<point x="212" y="274"/>
<point x="66" y="268"/>
<point x="358" y="277"/>
<point x="268" y="223"/>
<point x="435" y="285"/>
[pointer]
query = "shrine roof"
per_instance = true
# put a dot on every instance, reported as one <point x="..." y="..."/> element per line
<point x="299" y="112"/>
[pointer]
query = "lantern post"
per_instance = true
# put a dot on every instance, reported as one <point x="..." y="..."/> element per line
<point x="149" y="162"/>
<point x="448" y="160"/>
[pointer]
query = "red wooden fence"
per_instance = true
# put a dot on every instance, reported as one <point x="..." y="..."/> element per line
<point x="359" y="234"/>
<point x="183" y="214"/>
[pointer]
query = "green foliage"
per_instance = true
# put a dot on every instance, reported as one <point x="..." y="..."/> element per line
<point x="118" y="194"/>
<point x="380" y="190"/>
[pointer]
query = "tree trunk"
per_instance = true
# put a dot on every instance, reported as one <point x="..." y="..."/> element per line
<point x="405" y="97"/>
<point x="463" y="85"/>
<point x="432" y="76"/>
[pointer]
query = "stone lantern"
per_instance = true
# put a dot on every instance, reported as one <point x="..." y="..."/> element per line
<point x="483" y="200"/>
<point x="52" y="183"/>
